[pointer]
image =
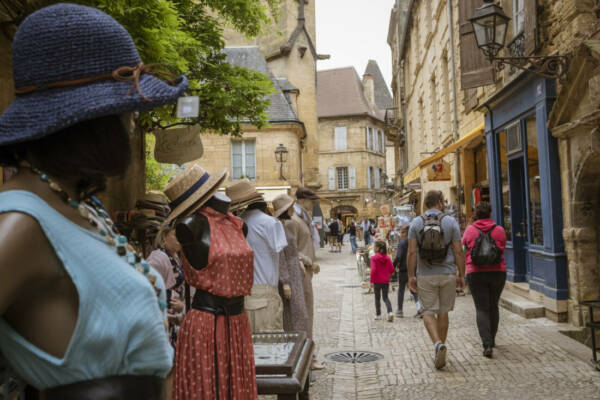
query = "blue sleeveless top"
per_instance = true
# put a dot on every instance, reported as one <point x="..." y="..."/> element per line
<point x="119" y="329"/>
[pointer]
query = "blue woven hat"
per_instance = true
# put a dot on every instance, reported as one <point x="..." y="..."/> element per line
<point x="73" y="63"/>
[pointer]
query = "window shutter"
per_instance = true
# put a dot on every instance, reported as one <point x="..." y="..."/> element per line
<point x="367" y="137"/>
<point x="340" y="138"/>
<point x="530" y="28"/>
<point x="382" y="141"/>
<point x="377" y="179"/>
<point x="236" y="160"/>
<point x="470" y="100"/>
<point x="476" y="70"/>
<point x="369" y="141"/>
<point x="250" y="158"/>
<point x="331" y="178"/>
<point x="352" y="173"/>
<point x="368" y="177"/>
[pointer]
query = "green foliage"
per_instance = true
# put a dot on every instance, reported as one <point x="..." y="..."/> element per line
<point x="157" y="174"/>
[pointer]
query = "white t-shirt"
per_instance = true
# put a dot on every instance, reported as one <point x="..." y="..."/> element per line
<point x="266" y="237"/>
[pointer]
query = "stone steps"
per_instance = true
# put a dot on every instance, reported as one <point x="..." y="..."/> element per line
<point x="521" y="305"/>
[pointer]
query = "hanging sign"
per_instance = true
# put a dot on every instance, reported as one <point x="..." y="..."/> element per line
<point x="179" y="145"/>
<point x="438" y="171"/>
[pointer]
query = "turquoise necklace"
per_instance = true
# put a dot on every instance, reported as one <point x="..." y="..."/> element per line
<point x="92" y="211"/>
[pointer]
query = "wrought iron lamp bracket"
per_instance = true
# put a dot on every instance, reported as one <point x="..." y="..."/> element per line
<point x="550" y="67"/>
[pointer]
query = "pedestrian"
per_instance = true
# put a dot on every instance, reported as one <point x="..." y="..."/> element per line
<point x="366" y="228"/>
<point x="381" y="271"/>
<point x="291" y="272"/>
<point x="82" y="313"/>
<point x="340" y="234"/>
<point x="486" y="277"/>
<point x="165" y="259"/>
<point x="352" y="234"/>
<point x="334" y="232"/>
<point x="402" y="269"/>
<point x="436" y="255"/>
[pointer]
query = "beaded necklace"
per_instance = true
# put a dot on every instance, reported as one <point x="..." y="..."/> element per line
<point x="92" y="210"/>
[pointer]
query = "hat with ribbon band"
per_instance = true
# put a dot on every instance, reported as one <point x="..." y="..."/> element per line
<point x="242" y="193"/>
<point x="191" y="188"/>
<point x="74" y="63"/>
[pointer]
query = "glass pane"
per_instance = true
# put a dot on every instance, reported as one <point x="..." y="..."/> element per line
<point x="533" y="178"/>
<point x="504" y="185"/>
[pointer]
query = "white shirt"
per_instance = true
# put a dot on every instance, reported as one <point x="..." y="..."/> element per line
<point x="266" y="237"/>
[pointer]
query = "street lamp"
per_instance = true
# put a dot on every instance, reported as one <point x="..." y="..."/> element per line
<point x="490" y="24"/>
<point x="281" y="157"/>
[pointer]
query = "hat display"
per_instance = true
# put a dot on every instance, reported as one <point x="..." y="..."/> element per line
<point x="74" y="63"/>
<point x="242" y="193"/>
<point x="191" y="188"/>
<point x="281" y="204"/>
<point x="306" y="193"/>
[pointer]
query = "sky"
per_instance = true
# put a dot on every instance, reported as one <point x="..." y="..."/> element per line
<point x="353" y="32"/>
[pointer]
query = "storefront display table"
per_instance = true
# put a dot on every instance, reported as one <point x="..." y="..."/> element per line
<point x="283" y="364"/>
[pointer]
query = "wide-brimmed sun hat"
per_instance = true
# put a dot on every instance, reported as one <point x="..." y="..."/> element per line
<point x="73" y="63"/>
<point x="242" y="193"/>
<point x="281" y="204"/>
<point x="191" y="188"/>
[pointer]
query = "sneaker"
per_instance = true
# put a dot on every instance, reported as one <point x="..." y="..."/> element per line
<point x="399" y="314"/>
<point x="378" y="318"/>
<point x="419" y="314"/>
<point x="440" y="355"/>
<point x="390" y="317"/>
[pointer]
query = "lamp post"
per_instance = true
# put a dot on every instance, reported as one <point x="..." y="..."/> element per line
<point x="281" y="157"/>
<point x="490" y="24"/>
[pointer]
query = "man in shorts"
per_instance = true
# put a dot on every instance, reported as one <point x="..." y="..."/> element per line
<point x="437" y="281"/>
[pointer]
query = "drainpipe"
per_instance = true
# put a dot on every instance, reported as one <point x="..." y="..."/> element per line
<point x="454" y="102"/>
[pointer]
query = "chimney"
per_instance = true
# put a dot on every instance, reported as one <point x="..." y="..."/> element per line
<point x="369" y="89"/>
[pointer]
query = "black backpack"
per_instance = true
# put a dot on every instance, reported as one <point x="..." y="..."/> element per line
<point x="432" y="245"/>
<point x="485" y="252"/>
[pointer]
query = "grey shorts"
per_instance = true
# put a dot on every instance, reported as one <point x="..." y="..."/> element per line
<point x="437" y="293"/>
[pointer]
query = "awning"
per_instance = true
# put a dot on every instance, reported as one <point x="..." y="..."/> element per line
<point x="463" y="141"/>
<point x="414" y="174"/>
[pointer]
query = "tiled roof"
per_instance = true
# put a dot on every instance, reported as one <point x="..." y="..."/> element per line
<point x="383" y="98"/>
<point x="251" y="57"/>
<point x="340" y="93"/>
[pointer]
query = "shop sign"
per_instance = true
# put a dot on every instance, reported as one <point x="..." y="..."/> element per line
<point x="438" y="171"/>
<point x="178" y="146"/>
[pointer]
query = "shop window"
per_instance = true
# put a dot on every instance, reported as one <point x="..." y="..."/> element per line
<point x="505" y="186"/>
<point x="533" y="180"/>
<point x="243" y="159"/>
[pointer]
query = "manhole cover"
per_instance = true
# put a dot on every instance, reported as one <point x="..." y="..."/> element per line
<point x="354" y="357"/>
<point x="349" y="286"/>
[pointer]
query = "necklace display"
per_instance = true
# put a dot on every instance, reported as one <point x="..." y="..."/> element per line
<point x="93" y="212"/>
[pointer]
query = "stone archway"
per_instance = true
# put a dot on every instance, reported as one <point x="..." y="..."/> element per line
<point x="581" y="239"/>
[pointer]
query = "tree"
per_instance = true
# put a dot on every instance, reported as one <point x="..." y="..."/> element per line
<point x="187" y="36"/>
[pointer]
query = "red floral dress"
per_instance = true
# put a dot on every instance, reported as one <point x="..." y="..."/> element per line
<point x="229" y="273"/>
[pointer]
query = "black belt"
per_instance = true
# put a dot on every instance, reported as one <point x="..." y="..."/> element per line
<point x="130" y="387"/>
<point x="217" y="305"/>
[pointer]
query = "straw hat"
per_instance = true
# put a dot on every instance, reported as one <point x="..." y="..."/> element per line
<point x="281" y="204"/>
<point x="242" y="193"/>
<point x="191" y="188"/>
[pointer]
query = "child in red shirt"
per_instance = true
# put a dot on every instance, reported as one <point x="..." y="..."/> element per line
<point x="381" y="271"/>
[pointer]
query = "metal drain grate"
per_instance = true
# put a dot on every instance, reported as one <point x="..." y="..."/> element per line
<point x="349" y="286"/>
<point x="354" y="357"/>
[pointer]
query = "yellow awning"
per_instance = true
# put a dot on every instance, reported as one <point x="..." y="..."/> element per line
<point x="459" y="143"/>
<point x="414" y="174"/>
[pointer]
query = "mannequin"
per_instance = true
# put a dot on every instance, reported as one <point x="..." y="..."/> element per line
<point x="384" y="223"/>
<point x="194" y="232"/>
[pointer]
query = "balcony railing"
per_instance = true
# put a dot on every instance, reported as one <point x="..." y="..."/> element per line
<point x="516" y="48"/>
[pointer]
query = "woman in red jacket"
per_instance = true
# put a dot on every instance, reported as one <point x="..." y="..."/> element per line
<point x="486" y="282"/>
<point x="381" y="271"/>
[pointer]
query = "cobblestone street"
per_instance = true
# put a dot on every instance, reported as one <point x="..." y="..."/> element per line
<point x="532" y="360"/>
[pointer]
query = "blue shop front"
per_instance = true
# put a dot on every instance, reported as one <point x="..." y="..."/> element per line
<point x="525" y="189"/>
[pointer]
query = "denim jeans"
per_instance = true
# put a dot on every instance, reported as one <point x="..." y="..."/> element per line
<point x="353" y="244"/>
<point x="381" y="290"/>
<point x="402" y="281"/>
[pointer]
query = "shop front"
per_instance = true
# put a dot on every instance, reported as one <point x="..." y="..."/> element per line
<point x="525" y="189"/>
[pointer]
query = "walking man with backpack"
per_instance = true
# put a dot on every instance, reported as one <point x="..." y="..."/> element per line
<point x="435" y="253"/>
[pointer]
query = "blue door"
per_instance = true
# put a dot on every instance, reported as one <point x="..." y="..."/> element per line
<point x="518" y="215"/>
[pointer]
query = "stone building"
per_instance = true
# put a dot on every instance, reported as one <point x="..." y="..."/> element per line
<point x="290" y="51"/>
<point x="352" y="153"/>
<point x="540" y="154"/>
<point x="252" y="155"/>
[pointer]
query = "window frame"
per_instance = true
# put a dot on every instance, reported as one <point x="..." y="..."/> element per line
<point x="339" y="173"/>
<point x="243" y="159"/>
